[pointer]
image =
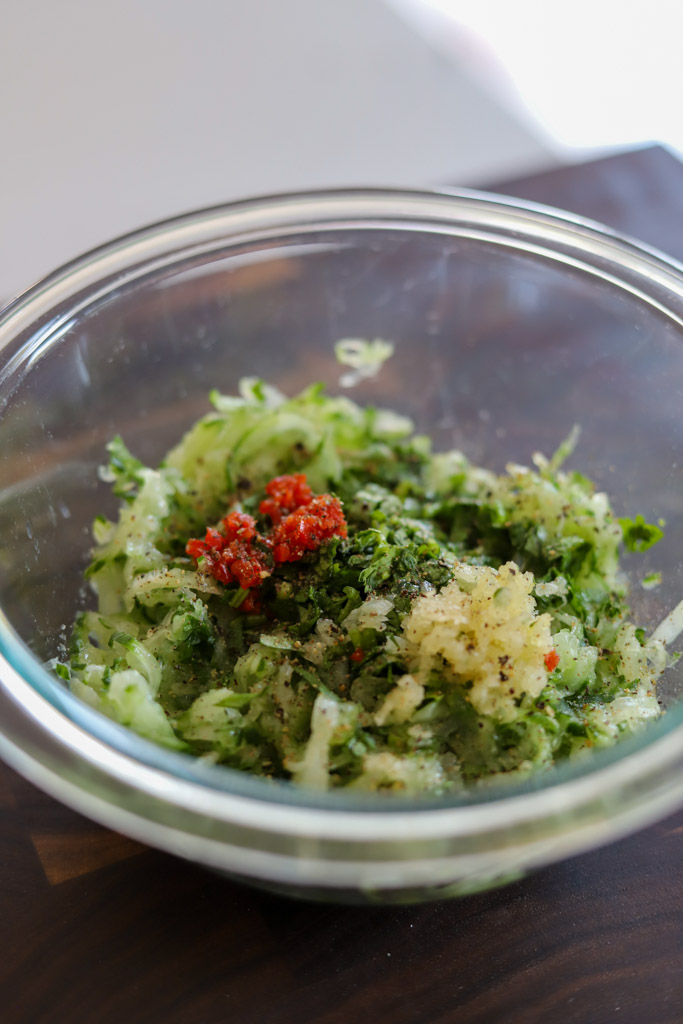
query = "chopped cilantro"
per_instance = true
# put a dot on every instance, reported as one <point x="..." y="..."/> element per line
<point x="638" y="534"/>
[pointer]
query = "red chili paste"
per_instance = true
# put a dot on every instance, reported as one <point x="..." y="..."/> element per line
<point x="552" y="660"/>
<point x="302" y="522"/>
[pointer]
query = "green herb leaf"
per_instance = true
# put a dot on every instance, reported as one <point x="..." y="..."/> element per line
<point x="124" y="470"/>
<point x="638" y="534"/>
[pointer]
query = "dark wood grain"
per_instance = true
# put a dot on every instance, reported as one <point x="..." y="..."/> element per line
<point x="150" y="938"/>
<point x="95" y="928"/>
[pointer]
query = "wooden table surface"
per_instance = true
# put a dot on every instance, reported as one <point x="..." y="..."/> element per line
<point x="96" y="928"/>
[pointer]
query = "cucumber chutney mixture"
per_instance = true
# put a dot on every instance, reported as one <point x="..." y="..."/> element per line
<point x="303" y="590"/>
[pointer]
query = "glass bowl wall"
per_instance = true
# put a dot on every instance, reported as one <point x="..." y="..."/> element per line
<point x="511" y="324"/>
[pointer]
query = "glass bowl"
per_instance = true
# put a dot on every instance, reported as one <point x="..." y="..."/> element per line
<point x="511" y="323"/>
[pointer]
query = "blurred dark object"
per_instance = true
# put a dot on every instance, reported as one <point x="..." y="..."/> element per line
<point x="638" y="193"/>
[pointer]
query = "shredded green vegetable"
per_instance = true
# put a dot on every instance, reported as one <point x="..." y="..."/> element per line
<point x="469" y="625"/>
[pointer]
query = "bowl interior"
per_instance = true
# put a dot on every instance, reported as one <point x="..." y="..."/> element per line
<point x="498" y="351"/>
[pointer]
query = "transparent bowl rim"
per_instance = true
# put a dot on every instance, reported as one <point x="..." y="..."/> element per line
<point x="25" y="325"/>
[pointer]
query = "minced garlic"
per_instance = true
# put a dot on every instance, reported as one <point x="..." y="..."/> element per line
<point x="487" y="638"/>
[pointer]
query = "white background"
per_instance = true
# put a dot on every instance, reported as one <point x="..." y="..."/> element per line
<point x="116" y="114"/>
